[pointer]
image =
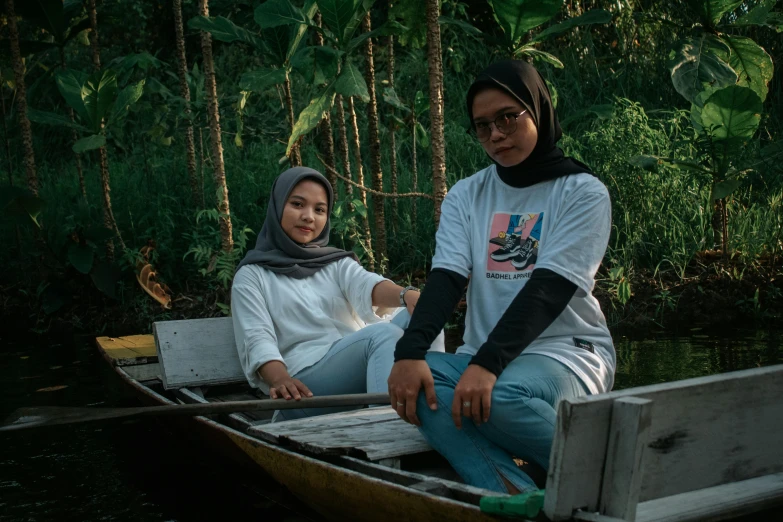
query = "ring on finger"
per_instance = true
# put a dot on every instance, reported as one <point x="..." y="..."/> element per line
<point x="400" y="403"/>
<point x="466" y="404"/>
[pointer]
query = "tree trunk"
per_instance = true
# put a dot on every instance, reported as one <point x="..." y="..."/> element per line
<point x="436" y="107"/>
<point x="295" y="157"/>
<point x="21" y="95"/>
<point x="184" y="91"/>
<point x="108" y="214"/>
<point x="343" y="143"/>
<point x="392" y="138"/>
<point x="375" y="151"/>
<point x="415" y="180"/>
<point x="74" y="137"/>
<point x="357" y="158"/>
<point x="725" y="230"/>
<point x="201" y="165"/>
<point x="219" y="168"/>
<point x="96" y="53"/>
<point x="10" y="168"/>
<point x="325" y="127"/>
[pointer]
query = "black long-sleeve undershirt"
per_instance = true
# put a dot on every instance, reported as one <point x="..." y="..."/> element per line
<point x="536" y="306"/>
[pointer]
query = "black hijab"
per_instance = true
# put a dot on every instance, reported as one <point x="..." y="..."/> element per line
<point x="279" y="253"/>
<point x="547" y="161"/>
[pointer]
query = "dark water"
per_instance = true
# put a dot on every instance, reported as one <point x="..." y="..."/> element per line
<point x="138" y="471"/>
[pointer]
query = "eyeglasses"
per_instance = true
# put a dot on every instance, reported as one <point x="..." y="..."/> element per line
<point x="505" y="124"/>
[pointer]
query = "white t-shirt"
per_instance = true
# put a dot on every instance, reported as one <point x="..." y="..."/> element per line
<point x="296" y="321"/>
<point x="498" y="234"/>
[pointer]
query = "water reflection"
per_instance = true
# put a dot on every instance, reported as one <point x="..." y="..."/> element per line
<point x="664" y="359"/>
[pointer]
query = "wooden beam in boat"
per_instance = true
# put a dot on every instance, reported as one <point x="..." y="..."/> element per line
<point x="128" y="350"/>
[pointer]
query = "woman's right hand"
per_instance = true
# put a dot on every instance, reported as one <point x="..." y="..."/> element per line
<point x="289" y="388"/>
<point x="282" y="385"/>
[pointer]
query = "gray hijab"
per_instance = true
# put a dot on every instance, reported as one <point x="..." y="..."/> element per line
<point x="279" y="253"/>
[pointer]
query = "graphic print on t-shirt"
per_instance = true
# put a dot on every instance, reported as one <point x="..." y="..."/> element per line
<point x="513" y="243"/>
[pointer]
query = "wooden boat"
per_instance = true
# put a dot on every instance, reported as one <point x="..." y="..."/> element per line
<point x="695" y="449"/>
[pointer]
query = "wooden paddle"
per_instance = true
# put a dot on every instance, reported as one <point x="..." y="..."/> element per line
<point x="51" y="415"/>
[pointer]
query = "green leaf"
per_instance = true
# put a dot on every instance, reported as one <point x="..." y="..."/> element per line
<point x="274" y="13"/>
<point x="350" y="82"/>
<point x="127" y="97"/>
<point x="723" y="189"/>
<point x="386" y="29"/>
<point x="224" y="30"/>
<point x="651" y="163"/>
<point x="96" y="141"/>
<point x="51" y="118"/>
<point x="105" y="276"/>
<point x="69" y="83"/>
<point x="462" y="24"/>
<point x="99" y="92"/>
<point x="341" y="17"/>
<point x="732" y="113"/>
<point x="645" y="162"/>
<point x="422" y="137"/>
<point x="711" y="11"/>
<point x="701" y="63"/>
<point x="552" y="92"/>
<point x="359" y="207"/>
<point x="317" y="64"/>
<point x="390" y="97"/>
<point x="311" y="116"/>
<point x="623" y="291"/>
<point x="277" y="41"/>
<point x="758" y="15"/>
<point x="16" y="201"/>
<point x="421" y="103"/>
<point x="517" y="17"/>
<point x="594" y="16"/>
<point x="81" y="257"/>
<point x="542" y="56"/>
<point x="261" y="79"/>
<point x="752" y="63"/>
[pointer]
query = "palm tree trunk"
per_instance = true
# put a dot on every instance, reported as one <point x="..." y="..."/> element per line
<point x="357" y="158"/>
<point x="74" y="137"/>
<point x="325" y="127"/>
<point x="295" y="157"/>
<point x="21" y="105"/>
<point x="108" y="214"/>
<point x="434" y="60"/>
<point x="343" y="143"/>
<point x="415" y="173"/>
<point x="219" y="168"/>
<point x="375" y="150"/>
<point x="184" y="90"/>
<point x="96" y="54"/>
<point x="10" y="167"/>
<point x="392" y="138"/>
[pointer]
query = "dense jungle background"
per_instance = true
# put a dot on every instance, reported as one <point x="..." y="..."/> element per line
<point x="141" y="138"/>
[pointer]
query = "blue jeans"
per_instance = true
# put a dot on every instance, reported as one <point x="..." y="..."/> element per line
<point x="358" y="363"/>
<point x="521" y="422"/>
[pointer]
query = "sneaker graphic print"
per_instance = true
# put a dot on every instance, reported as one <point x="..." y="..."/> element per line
<point x="517" y="236"/>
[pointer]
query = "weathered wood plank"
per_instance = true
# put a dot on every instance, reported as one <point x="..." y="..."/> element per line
<point x="628" y="435"/>
<point x="143" y="372"/>
<point x="128" y="350"/>
<point x="704" y="432"/>
<point x="723" y="502"/>
<point x="372" y="433"/>
<point x="197" y="352"/>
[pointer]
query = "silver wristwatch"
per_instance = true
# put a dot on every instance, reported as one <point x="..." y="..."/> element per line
<point x="402" y="294"/>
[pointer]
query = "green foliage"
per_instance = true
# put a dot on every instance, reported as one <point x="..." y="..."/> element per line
<point x="223" y="29"/>
<point x="311" y="116"/>
<point x="700" y="63"/>
<point x="517" y="17"/>
<point x="96" y="141"/>
<point x="16" y="202"/>
<point x="350" y="82"/>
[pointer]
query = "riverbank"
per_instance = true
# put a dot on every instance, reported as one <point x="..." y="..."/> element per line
<point x="709" y="293"/>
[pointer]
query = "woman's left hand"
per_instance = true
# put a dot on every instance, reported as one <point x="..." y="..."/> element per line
<point x="473" y="395"/>
<point x="411" y="298"/>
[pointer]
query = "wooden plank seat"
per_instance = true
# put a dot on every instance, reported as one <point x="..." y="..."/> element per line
<point x="374" y="434"/>
<point x="704" y="448"/>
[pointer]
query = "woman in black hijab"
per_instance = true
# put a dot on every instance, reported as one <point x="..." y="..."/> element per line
<point x="300" y="307"/>
<point x="530" y="231"/>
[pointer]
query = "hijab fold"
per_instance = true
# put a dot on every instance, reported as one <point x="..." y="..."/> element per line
<point x="279" y="253"/>
<point x="547" y="161"/>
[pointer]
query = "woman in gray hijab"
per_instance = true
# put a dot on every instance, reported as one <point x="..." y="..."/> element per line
<point x="303" y="311"/>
